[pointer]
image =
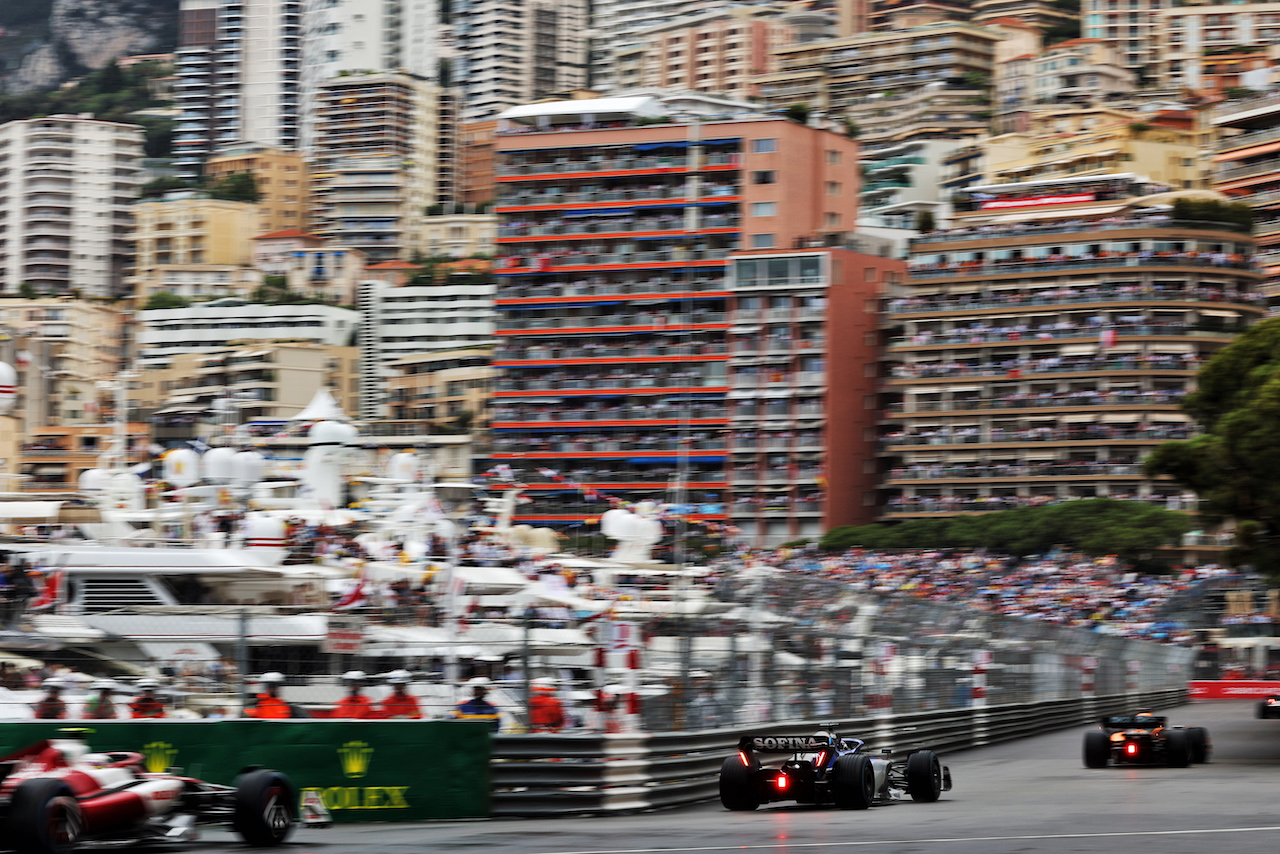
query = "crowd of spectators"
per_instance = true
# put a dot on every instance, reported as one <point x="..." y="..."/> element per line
<point x="1101" y="594"/>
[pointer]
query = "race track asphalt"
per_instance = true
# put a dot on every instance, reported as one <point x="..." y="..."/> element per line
<point x="1032" y="795"/>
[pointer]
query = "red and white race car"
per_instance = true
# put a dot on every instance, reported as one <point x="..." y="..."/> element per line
<point x="57" y="793"/>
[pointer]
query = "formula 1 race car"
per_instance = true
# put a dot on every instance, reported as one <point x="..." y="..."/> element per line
<point x="1145" y="739"/>
<point x="1270" y="707"/>
<point x="56" y="794"/>
<point x="826" y="769"/>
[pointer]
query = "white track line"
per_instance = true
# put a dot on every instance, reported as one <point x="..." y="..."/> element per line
<point x="945" y="840"/>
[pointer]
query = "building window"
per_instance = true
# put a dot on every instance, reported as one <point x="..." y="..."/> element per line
<point x="831" y="220"/>
<point x="833" y="188"/>
<point x="762" y="241"/>
<point x="764" y="146"/>
<point x="833" y="157"/>
<point x="764" y="208"/>
<point x="764" y="176"/>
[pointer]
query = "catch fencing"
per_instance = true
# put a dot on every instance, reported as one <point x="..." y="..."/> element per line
<point x="559" y="774"/>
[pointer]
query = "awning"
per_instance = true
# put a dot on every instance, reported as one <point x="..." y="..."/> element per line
<point x="954" y="388"/>
<point x="1078" y="418"/>
<point x="490" y="579"/>
<point x="192" y="651"/>
<point x="1121" y="418"/>
<point x="1078" y="350"/>
<point x="743" y="393"/>
<point x="1204" y="312"/>
<point x="29" y="511"/>
<point x="1170" y="417"/>
<point x="1056" y="213"/>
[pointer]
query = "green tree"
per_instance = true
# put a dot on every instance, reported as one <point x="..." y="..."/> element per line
<point x="159" y="186"/>
<point x="1234" y="466"/>
<point x="1096" y="526"/>
<point x="238" y="187"/>
<point x="798" y="113"/>
<point x="26" y="290"/>
<point x="166" y="299"/>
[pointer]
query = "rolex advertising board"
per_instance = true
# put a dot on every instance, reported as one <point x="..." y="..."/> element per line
<point x="364" y="770"/>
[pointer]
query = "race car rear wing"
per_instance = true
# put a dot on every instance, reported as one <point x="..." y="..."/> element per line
<point x="1133" y="722"/>
<point x="783" y="743"/>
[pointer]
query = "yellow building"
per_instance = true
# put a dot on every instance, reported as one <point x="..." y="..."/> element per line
<point x="1070" y="141"/>
<point x="208" y="240"/>
<point x="281" y="178"/>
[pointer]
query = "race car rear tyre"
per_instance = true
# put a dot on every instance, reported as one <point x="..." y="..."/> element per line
<point x="44" y="818"/>
<point x="853" y="782"/>
<point x="1201" y="747"/>
<point x="924" y="776"/>
<point x="1262" y="710"/>
<point x="736" y="789"/>
<point x="1177" y="748"/>
<point x="266" y="808"/>
<point x="1096" y="749"/>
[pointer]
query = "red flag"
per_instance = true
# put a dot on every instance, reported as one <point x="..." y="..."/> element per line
<point x="51" y="595"/>
<point x="1107" y="338"/>
<point x="354" y="597"/>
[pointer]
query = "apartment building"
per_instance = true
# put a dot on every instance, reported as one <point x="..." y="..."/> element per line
<point x="720" y="52"/>
<point x="281" y="178"/>
<point x="66" y="214"/>
<point x="475" y="161"/>
<point x="448" y="389"/>
<point x="926" y="81"/>
<point x="1043" y="347"/>
<point x="617" y="28"/>
<point x="459" y="234"/>
<point x="616" y="308"/>
<point x="1246" y="167"/>
<point x="62" y="348"/>
<point x="359" y="36"/>
<point x="400" y="321"/>
<point x="376" y="166"/>
<point x="1130" y="26"/>
<point x="1196" y="43"/>
<point x="238" y="68"/>
<point x="265" y="381"/>
<point x="509" y="52"/>
<point x="194" y="246"/>
<point x="310" y="265"/>
<point x="164" y="333"/>
<point x="1070" y="142"/>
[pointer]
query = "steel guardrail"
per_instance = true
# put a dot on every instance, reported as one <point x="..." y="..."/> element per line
<point x="562" y="774"/>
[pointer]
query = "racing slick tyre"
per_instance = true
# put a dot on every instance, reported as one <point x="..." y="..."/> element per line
<point x="266" y="807"/>
<point x="44" y="818"/>
<point x="737" y="791"/>
<point x="1096" y="749"/>
<point x="1177" y="748"/>
<point x="1201" y="747"/>
<point x="1262" y="710"/>
<point x="924" y="776"/>
<point x="853" y="782"/>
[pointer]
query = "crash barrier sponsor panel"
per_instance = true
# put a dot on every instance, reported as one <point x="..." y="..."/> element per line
<point x="365" y="771"/>
<point x="558" y="774"/>
<point x="1232" y="689"/>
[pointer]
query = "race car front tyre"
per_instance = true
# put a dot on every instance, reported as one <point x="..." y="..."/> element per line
<point x="1201" y="747"/>
<point x="1177" y="748"/>
<point x="853" y="782"/>
<point x="266" y="808"/>
<point x="1096" y="749"/>
<point x="736" y="786"/>
<point x="924" y="776"/>
<point x="44" y="818"/>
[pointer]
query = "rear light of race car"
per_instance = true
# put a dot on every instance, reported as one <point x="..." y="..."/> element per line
<point x="1131" y="749"/>
<point x="782" y="782"/>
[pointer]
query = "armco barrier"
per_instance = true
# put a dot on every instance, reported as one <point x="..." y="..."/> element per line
<point x="556" y="774"/>
<point x="365" y="770"/>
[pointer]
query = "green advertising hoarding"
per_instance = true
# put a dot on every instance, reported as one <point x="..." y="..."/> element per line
<point x="364" y="770"/>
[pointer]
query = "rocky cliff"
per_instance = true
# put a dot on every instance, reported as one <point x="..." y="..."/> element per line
<point x="45" y="42"/>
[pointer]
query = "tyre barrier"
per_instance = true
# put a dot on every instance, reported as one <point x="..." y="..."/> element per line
<point x="562" y="774"/>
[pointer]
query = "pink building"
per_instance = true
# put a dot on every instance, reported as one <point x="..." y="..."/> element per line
<point x="629" y="361"/>
<point x="718" y="52"/>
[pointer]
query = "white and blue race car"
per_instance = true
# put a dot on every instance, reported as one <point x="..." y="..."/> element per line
<point x="825" y="769"/>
